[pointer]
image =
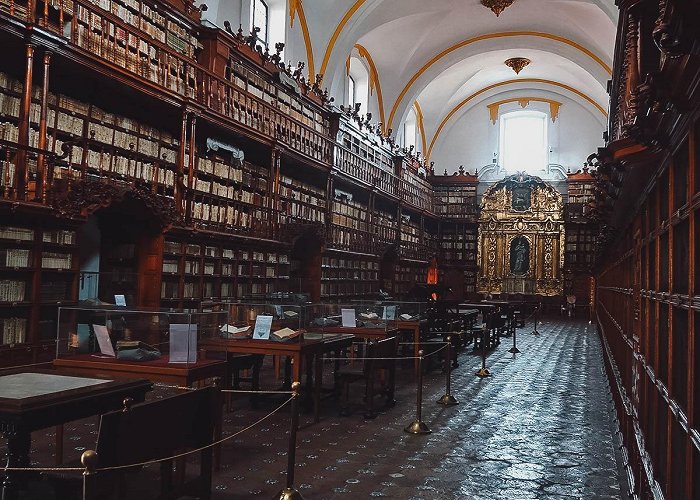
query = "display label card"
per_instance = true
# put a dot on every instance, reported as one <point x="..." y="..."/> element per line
<point x="389" y="313"/>
<point x="279" y="312"/>
<point x="348" y="316"/>
<point x="263" y="325"/>
<point x="103" y="340"/>
<point x="120" y="300"/>
<point x="183" y="343"/>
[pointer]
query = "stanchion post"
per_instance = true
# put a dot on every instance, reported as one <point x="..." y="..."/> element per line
<point x="483" y="371"/>
<point x="418" y="426"/>
<point x="89" y="461"/>
<point x="448" y="399"/>
<point x="290" y="493"/>
<point x="514" y="349"/>
<point x="537" y="311"/>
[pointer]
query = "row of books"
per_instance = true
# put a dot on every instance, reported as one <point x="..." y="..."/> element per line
<point x="349" y="288"/>
<point x="55" y="291"/>
<point x="12" y="290"/>
<point x="14" y="330"/>
<point x="15" y="257"/>
<point x="308" y="213"/>
<point x="351" y="274"/>
<point x="227" y="214"/>
<point x="16" y="233"/>
<point x="348" y="263"/>
<point x="56" y="260"/>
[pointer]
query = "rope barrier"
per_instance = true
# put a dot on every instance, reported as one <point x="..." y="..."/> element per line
<point x="197" y="450"/>
<point x="239" y="391"/>
<point x="388" y="359"/>
<point x="43" y="469"/>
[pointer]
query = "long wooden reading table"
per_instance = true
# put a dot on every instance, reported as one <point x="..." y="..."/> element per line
<point x="312" y="346"/>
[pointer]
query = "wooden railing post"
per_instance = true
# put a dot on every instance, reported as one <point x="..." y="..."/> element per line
<point x="21" y="170"/>
<point x="41" y="161"/>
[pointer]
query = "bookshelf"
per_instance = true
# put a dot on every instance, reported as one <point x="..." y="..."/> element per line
<point x="213" y="271"/>
<point x="301" y="201"/>
<point x="346" y="276"/>
<point x="407" y="275"/>
<point x="411" y="236"/>
<point x="580" y="248"/>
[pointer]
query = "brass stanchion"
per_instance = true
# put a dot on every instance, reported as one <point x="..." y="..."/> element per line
<point x="290" y="493"/>
<point x="418" y="426"/>
<point x="89" y="461"/>
<point x="448" y="399"/>
<point x="537" y="310"/>
<point x="483" y="371"/>
<point x="514" y="349"/>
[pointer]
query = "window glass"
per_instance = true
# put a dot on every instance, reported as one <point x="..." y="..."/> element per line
<point x="351" y="91"/>
<point x="260" y="20"/>
<point x="523" y="141"/>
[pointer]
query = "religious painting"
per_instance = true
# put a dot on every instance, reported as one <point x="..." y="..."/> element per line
<point x="519" y="256"/>
<point x="522" y="198"/>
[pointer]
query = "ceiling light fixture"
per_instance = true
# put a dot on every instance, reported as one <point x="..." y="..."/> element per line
<point x="517" y="63"/>
<point x="497" y="6"/>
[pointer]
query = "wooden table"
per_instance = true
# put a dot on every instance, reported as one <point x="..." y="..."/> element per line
<point x="312" y="346"/>
<point x="158" y="370"/>
<point x="363" y="332"/>
<point x="41" y="399"/>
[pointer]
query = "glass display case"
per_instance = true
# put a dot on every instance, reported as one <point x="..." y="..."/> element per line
<point x="128" y="334"/>
<point x="259" y="321"/>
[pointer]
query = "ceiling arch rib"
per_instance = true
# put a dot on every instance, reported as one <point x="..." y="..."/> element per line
<point x="466" y="76"/>
<point x="551" y="43"/>
<point x="453" y="112"/>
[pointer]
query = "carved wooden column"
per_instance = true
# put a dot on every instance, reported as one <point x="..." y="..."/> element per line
<point x="180" y="170"/>
<point x="21" y="170"/>
<point x="274" y="183"/>
<point x="41" y="161"/>
<point x="190" y="168"/>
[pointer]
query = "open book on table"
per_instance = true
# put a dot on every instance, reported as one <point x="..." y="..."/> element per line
<point x="231" y="331"/>
<point x="285" y="334"/>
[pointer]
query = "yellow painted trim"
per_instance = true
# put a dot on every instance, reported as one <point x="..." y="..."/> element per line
<point x="524" y="102"/>
<point x="297" y="6"/>
<point x="489" y="36"/>
<point x="374" y="77"/>
<point x="419" y="120"/>
<point x="500" y="84"/>
<point x="337" y="32"/>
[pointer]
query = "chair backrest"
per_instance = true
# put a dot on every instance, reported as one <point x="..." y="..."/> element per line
<point x="386" y="348"/>
<point x="158" y="429"/>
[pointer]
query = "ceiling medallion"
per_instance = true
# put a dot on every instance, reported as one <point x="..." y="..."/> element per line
<point x="517" y="63"/>
<point x="497" y="6"/>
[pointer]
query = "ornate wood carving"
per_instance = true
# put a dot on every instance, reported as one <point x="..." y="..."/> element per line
<point x="87" y="196"/>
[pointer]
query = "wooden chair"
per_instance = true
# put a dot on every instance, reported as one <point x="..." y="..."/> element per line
<point x="370" y="373"/>
<point x="156" y="430"/>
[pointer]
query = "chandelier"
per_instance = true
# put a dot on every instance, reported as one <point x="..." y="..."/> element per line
<point x="497" y="6"/>
<point x="517" y="63"/>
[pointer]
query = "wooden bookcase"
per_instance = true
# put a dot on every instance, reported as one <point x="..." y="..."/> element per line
<point x="346" y="276"/>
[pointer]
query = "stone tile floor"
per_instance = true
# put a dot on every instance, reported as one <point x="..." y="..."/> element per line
<point x="541" y="427"/>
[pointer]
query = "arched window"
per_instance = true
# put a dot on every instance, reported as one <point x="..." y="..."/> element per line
<point x="523" y="141"/>
<point x="359" y="76"/>
<point x="259" y="14"/>
<point x="351" y="91"/>
<point x="410" y="129"/>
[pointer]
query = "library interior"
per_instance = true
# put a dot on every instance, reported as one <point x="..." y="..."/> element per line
<point x="332" y="248"/>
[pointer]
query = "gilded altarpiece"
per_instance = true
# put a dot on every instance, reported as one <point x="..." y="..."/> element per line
<point x="521" y="238"/>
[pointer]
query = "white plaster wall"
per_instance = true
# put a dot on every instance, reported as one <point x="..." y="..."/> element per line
<point x="471" y="140"/>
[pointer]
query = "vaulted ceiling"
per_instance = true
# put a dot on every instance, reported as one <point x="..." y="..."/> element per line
<point x="448" y="55"/>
